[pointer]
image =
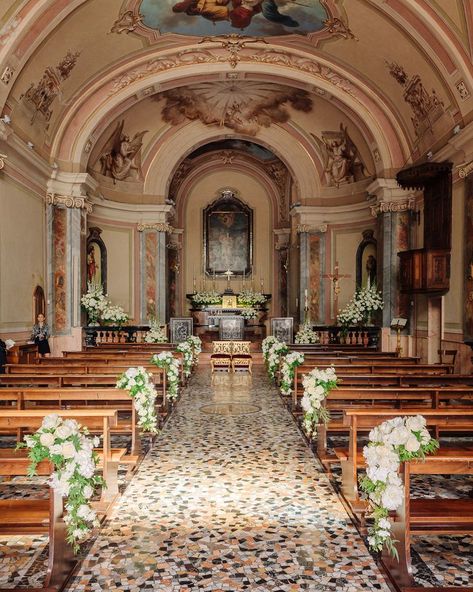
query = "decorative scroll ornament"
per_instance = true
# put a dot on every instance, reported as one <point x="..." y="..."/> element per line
<point x="3" y="157"/>
<point x="159" y="226"/>
<point x="192" y="56"/>
<point x="233" y="43"/>
<point x="300" y="228"/>
<point x="69" y="201"/>
<point x="337" y="28"/>
<point x="127" y="22"/>
<point x="392" y="206"/>
<point x="465" y="169"/>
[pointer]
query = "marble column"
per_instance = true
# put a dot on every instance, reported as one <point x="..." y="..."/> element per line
<point x="312" y="257"/>
<point x="153" y="272"/>
<point x="394" y="212"/>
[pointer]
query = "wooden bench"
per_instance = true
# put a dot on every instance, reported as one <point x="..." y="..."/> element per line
<point x="98" y="421"/>
<point x="428" y="517"/>
<point x="38" y="516"/>
<point x="359" y="421"/>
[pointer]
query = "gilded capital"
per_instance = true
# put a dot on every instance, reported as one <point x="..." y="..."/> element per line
<point x="69" y="201"/>
<point x="159" y="226"/>
<point x="465" y="169"/>
<point x="384" y="207"/>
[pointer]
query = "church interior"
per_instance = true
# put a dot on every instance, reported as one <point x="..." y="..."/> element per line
<point x="236" y="295"/>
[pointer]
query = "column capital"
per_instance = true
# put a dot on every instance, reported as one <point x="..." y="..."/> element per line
<point x="282" y="237"/>
<point x="159" y="226"/>
<point x="69" y="201"/>
<point x="387" y="196"/>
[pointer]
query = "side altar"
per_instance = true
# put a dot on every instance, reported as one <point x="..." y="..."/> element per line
<point x="210" y="317"/>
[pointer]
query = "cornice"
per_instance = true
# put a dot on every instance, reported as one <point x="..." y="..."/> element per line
<point x="318" y="218"/>
<point x="132" y="213"/>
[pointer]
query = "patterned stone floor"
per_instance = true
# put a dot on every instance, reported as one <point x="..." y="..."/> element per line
<point x="229" y="499"/>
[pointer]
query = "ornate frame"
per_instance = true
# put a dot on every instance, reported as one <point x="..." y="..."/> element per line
<point x="180" y="329"/>
<point x="283" y="329"/>
<point x="228" y="203"/>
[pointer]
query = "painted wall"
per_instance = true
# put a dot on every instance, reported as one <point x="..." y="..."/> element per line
<point x="22" y="254"/>
<point x="252" y="193"/>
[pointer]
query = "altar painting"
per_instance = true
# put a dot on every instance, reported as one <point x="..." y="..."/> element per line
<point x="228" y="237"/>
<point x="259" y="18"/>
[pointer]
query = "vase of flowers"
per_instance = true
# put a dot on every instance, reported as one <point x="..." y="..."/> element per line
<point x="361" y="307"/>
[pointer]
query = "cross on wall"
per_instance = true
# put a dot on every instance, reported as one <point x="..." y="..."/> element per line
<point x="335" y="278"/>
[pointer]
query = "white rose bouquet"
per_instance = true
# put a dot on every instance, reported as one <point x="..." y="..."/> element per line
<point x="196" y="344"/>
<point x="266" y="345"/>
<point x="206" y="298"/>
<point x="66" y="445"/>
<point x="187" y="356"/>
<point x="390" y="443"/>
<point x="170" y="365"/>
<point x="288" y="367"/>
<point x="156" y="333"/>
<point x="278" y="349"/>
<point x="317" y="384"/>
<point x="250" y="298"/>
<point x="306" y="335"/>
<point x="361" y="306"/>
<point x="139" y="384"/>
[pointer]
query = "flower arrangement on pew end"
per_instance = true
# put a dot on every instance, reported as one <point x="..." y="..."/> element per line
<point x="196" y="344"/>
<point x="277" y="349"/>
<point x="390" y="443"/>
<point x="100" y="309"/>
<point x="170" y="365"/>
<point x="185" y="348"/>
<point x="361" y="306"/>
<point x="266" y="345"/>
<point x="317" y="384"/>
<point x="66" y="444"/>
<point x="306" y="335"/>
<point x="156" y="333"/>
<point x="139" y="384"/>
<point x="288" y="370"/>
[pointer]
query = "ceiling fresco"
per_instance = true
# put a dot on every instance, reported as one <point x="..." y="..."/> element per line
<point x="259" y="18"/>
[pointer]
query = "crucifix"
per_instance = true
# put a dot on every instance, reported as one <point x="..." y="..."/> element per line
<point x="229" y="274"/>
<point x="335" y="277"/>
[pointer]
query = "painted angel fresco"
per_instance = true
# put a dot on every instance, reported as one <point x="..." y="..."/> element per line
<point x="342" y="160"/>
<point x="121" y="159"/>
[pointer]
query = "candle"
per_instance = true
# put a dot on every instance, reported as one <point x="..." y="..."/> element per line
<point x="306" y="303"/>
<point x="297" y="303"/>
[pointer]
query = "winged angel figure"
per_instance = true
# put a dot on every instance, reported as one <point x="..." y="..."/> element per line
<point x="122" y="158"/>
<point x="342" y="160"/>
<point x="238" y="12"/>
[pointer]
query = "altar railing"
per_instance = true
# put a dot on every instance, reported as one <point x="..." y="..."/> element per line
<point x="368" y="336"/>
<point x="101" y="334"/>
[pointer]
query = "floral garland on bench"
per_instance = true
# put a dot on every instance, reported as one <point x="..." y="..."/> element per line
<point x="187" y="356"/>
<point x="317" y="385"/>
<point x="288" y="369"/>
<point x="390" y="443"/>
<point x="139" y="384"/>
<point x="170" y="365"/>
<point x="65" y="444"/>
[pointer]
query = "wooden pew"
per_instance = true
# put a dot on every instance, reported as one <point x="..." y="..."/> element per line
<point x="98" y="421"/>
<point x="361" y="421"/>
<point x="37" y="516"/>
<point x="429" y="516"/>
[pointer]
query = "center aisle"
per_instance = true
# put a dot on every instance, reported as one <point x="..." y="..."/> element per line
<point x="229" y="499"/>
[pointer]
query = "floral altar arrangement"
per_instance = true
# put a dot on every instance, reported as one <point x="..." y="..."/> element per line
<point x="65" y="444"/>
<point x="277" y="349"/>
<point x="361" y="306"/>
<point x="249" y="313"/>
<point x="170" y="365"/>
<point x="266" y="345"/>
<point x="156" y="333"/>
<point x="187" y="356"/>
<point x="139" y="384"/>
<point x="206" y="298"/>
<point x="99" y="308"/>
<point x="306" y="335"/>
<point x="250" y="298"/>
<point x="317" y="385"/>
<point x="288" y="370"/>
<point x="390" y="443"/>
<point x="196" y="344"/>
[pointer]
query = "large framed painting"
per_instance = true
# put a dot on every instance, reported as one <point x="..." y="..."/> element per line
<point x="282" y="328"/>
<point x="180" y="328"/>
<point x="228" y="236"/>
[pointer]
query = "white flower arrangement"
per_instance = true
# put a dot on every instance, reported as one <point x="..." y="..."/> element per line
<point x="187" y="356"/>
<point x="207" y="298"/>
<point x="139" y="384"/>
<point x="278" y="349"/>
<point x="196" y="344"/>
<point x="266" y="345"/>
<point x="66" y="445"/>
<point x="250" y="298"/>
<point x="317" y="384"/>
<point x="390" y="443"/>
<point x="288" y="367"/>
<point x="363" y="303"/>
<point x="170" y="365"/>
<point x="306" y="335"/>
<point x="99" y="307"/>
<point x="156" y="333"/>
<point x="249" y="313"/>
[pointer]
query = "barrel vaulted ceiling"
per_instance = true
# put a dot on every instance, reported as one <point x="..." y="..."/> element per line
<point x="394" y="78"/>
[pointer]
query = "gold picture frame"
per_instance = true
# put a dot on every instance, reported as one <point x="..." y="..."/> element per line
<point x="229" y="301"/>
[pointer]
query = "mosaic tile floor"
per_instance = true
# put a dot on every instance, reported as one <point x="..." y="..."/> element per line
<point x="231" y="499"/>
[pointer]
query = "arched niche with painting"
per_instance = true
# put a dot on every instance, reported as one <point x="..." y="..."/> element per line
<point x="96" y="260"/>
<point x="39" y="302"/>
<point x="367" y="261"/>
